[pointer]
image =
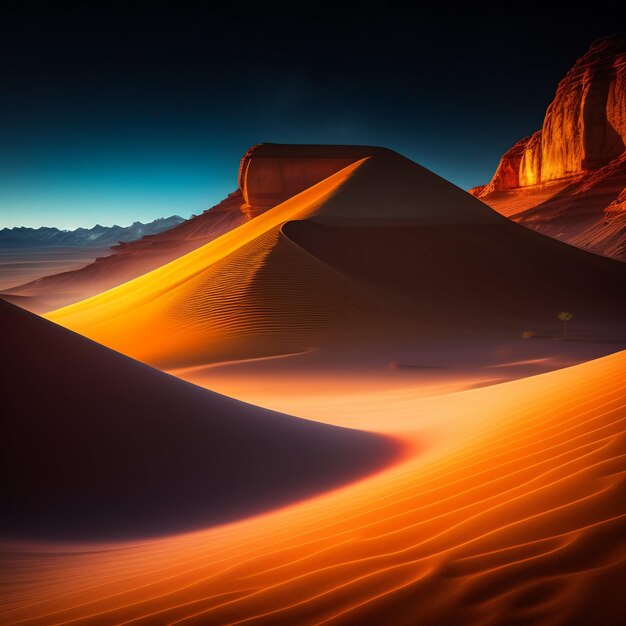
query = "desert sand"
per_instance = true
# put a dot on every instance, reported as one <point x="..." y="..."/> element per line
<point x="383" y="251"/>
<point x="97" y="446"/>
<point x="509" y="509"/>
<point x="386" y="307"/>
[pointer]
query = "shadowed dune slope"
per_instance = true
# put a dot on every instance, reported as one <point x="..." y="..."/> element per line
<point x="475" y="277"/>
<point x="587" y="210"/>
<point x="517" y="516"/>
<point x="95" y="445"/>
<point x="381" y="248"/>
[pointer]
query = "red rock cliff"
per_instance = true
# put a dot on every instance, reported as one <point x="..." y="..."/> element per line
<point x="584" y="128"/>
<point x="567" y="180"/>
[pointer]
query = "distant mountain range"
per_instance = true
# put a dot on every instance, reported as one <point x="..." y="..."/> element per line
<point x="51" y="289"/>
<point x="98" y="236"/>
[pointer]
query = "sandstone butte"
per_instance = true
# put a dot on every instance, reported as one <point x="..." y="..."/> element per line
<point x="567" y="179"/>
<point x="272" y="173"/>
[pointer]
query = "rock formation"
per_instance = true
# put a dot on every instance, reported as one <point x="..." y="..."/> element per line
<point x="580" y="148"/>
<point x="271" y="173"/>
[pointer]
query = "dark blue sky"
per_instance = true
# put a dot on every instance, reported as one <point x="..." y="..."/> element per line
<point x="112" y="114"/>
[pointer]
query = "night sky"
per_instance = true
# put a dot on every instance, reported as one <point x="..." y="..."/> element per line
<point x="110" y="114"/>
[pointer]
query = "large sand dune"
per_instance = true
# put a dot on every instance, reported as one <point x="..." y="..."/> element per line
<point x="381" y="249"/>
<point x="96" y="445"/>
<point x="511" y="509"/>
<point x="507" y="505"/>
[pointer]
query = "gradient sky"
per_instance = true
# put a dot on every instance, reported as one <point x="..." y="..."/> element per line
<point x="111" y="113"/>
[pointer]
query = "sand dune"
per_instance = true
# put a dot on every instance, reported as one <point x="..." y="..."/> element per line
<point x="95" y="445"/>
<point x="506" y="505"/>
<point x="511" y="509"/>
<point x="216" y="302"/>
<point x="380" y="251"/>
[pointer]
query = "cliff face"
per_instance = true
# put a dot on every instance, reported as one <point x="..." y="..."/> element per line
<point x="271" y="173"/>
<point x="531" y="161"/>
<point x="583" y="136"/>
<point x="508" y="173"/>
<point x="584" y="127"/>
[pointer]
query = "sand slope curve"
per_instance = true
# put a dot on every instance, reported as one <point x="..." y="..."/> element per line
<point x="96" y="445"/>
<point x="516" y="516"/>
<point x="382" y="248"/>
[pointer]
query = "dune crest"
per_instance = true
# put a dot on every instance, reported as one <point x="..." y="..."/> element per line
<point x="381" y="249"/>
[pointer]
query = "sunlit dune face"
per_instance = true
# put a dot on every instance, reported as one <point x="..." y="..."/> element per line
<point x="185" y="306"/>
<point x="383" y="299"/>
<point x="356" y="395"/>
<point x="514" y="508"/>
<point x="380" y="251"/>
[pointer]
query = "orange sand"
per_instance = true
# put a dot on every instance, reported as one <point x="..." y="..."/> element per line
<point x="381" y="251"/>
<point x="201" y="300"/>
<point x="509" y="504"/>
<point x="514" y="513"/>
